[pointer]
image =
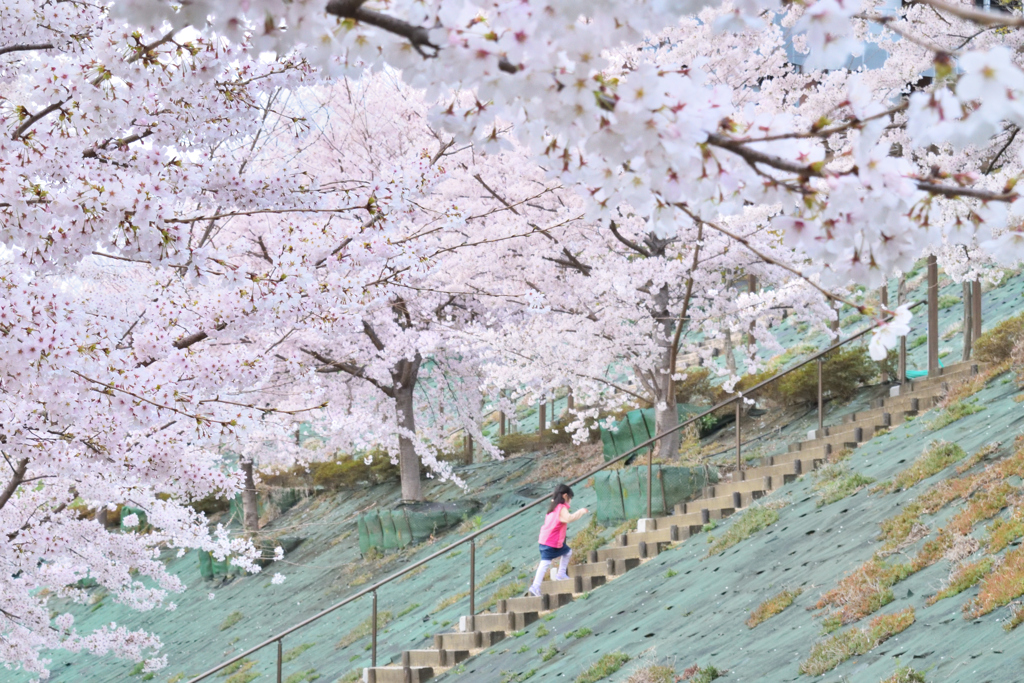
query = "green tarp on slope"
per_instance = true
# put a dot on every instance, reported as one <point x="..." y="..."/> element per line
<point x="635" y="428"/>
<point x="393" y="529"/>
<point x="622" y="494"/>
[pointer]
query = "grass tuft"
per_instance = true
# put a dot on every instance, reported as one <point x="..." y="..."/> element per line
<point x="772" y="606"/>
<point x="230" y="620"/>
<point x="501" y="570"/>
<point x="863" y="591"/>
<point x="963" y="578"/>
<point x="835" y="482"/>
<point x="747" y="524"/>
<point x="653" y="674"/>
<point x="293" y="653"/>
<point x="509" y="590"/>
<point x="955" y="411"/>
<point x="829" y="653"/>
<point x="904" y="674"/>
<point x="1001" y="533"/>
<point x="938" y="456"/>
<point x="1003" y="584"/>
<point x="602" y="668"/>
<point x="363" y="629"/>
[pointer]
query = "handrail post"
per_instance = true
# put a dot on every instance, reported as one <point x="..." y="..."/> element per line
<point x="472" y="582"/>
<point x="280" y="658"/>
<point x="650" y="463"/>
<point x="821" y="399"/>
<point x="739" y="454"/>
<point x="373" y="632"/>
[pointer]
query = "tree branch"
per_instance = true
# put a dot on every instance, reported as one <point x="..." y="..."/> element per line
<point x="25" y="48"/>
<point x="629" y="243"/>
<point x="17" y="478"/>
<point x="331" y="366"/>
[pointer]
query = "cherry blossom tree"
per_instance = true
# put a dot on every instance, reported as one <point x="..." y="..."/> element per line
<point x="193" y="257"/>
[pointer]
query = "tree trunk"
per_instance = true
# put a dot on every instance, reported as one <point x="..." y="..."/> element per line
<point x="408" y="461"/>
<point x="933" y="316"/>
<point x="883" y="298"/>
<point x="976" y="302"/>
<point x="730" y="358"/>
<point x="901" y="297"/>
<point x="968" y="326"/>
<point x="250" y="515"/>
<point x="666" y="416"/>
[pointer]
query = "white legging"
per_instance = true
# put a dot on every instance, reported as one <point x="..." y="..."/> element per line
<point x="542" y="570"/>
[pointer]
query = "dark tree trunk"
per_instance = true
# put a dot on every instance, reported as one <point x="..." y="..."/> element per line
<point x="250" y="514"/>
<point x="405" y="375"/>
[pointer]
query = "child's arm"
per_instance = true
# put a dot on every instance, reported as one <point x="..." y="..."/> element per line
<point x="564" y="516"/>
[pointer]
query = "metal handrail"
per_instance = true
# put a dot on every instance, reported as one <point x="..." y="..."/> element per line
<point x="471" y="538"/>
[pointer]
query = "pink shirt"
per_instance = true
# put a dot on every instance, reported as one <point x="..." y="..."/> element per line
<point x="552" y="532"/>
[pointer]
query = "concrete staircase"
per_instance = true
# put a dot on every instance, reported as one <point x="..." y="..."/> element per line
<point x="629" y="550"/>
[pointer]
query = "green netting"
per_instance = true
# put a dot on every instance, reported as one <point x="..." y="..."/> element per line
<point x="391" y="529"/>
<point x="139" y="512"/>
<point x="635" y="428"/>
<point x="609" y="496"/>
<point x="364" y="535"/>
<point x="622" y="494"/>
<point x="402" y="527"/>
<point x="387" y="526"/>
<point x="211" y="568"/>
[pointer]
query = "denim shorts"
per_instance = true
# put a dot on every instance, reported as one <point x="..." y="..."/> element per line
<point x="549" y="553"/>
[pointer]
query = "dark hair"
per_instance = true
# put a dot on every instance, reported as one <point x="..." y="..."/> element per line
<point x="556" y="497"/>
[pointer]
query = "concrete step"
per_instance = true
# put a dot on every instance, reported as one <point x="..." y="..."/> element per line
<point x="952" y="373"/>
<point x="734" y="500"/>
<point x="435" y="659"/>
<point x="471" y="641"/>
<point x="693" y="521"/>
<point x="497" y="621"/>
<point x="667" y="534"/>
<point x="591" y="568"/>
<point x="640" y="551"/>
<point x="398" y="674"/>
<point x="544" y="603"/>
<point x="786" y="472"/>
<point x="876" y="415"/>
<point x="915" y="404"/>
<point x="574" y="584"/>
<point x="809" y="455"/>
<point x="854" y="435"/>
<point x="742" y="486"/>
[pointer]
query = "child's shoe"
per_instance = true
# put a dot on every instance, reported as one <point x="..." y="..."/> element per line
<point x="532" y="592"/>
<point x="561" y="577"/>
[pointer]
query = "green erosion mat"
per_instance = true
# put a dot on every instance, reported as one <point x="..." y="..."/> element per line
<point x="637" y="427"/>
<point x="410" y="523"/>
<point x="685" y="608"/>
<point x="622" y="494"/>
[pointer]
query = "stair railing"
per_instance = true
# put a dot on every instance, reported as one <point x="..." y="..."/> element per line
<point x="737" y="399"/>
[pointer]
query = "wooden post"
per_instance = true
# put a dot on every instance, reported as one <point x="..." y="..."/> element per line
<point x="570" y="402"/>
<point x="751" y="288"/>
<point x="280" y="658"/>
<point x="472" y="579"/>
<point x="821" y="398"/>
<point x="467" y="453"/>
<point x="901" y="369"/>
<point x="883" y="298"/>
<point x="542" y="417"/>
<point x="968" y="327"/>
<point x="650" y="465"/>
<point x="502" y="426"/>
<point x="933" y="316"/>
<point x="373" y="633"/>
<point x="976" y="302"/>
<point x="739" y="454"/>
